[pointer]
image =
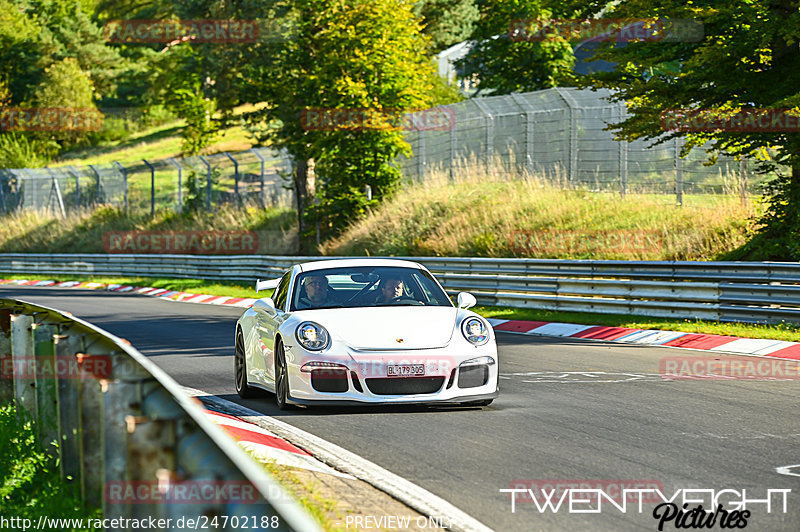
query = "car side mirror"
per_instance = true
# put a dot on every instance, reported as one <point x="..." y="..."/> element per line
<point x="266" y="304"/>
<point x="466" y="300"/>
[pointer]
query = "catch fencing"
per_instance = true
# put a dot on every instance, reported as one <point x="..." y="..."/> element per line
<point x="556" y="134"/>
<point x="725" y="291"/>
<point x="559" y="134"/>
<point x="259" y="177"/>
<point x="129" y="439"/>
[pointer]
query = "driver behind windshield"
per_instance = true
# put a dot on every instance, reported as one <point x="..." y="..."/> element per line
<point x="316" y="287"/>
<point x="388" y="290"/>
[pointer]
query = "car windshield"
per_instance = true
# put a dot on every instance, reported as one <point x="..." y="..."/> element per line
<point x="366" y="286"/>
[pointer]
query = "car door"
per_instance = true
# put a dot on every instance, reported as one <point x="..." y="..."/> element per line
<point x="268" y="322"/>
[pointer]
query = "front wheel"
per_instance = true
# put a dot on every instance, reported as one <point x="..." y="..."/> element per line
<point x="240" y="370"/>
<point x="281" y="378"/>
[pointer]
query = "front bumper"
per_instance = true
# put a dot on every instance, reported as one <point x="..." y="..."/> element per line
<point x="361" y="377"/>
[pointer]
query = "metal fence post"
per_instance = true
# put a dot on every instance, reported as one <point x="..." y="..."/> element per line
<point x="743" y="181"/>
<point x="678" y="172"/>
<point x="180" y="182"/>
<point x="421" y="154"/>
<point x="45" y="384"/>
<point x="124" y="172"/>
<point x="623" y="158"/>
<point x="22" y="357"/>
<point x="208" y="182"/>
<point x="152" y="187"/>
<point x="6" y="363"/>
<point x="489" y="133"/>
<point x="97" y="177"/>
<point x="520" y="101"/>
<point x="77" y="185"/>
<point x="452" y="153"/>
<point x="235" y="177"/>
<point x="572" y="170"/>
<point x="263" y="192"/>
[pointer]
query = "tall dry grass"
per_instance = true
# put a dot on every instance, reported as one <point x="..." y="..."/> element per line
<point x="490" y="211"/>
<point x="82" y="232"/>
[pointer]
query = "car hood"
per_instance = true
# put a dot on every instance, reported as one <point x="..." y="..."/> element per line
<point x="382" y="328"/>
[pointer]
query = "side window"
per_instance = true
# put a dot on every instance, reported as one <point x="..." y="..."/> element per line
<point x="279" y="296"/>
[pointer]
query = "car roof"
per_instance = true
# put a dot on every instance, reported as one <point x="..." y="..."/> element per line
<point x="353" y="263"/>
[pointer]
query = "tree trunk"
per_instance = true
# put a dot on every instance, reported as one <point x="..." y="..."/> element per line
<point x="304" y="186"/>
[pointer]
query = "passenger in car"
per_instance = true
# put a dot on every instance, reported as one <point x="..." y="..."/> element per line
<point x="389" y="289"/>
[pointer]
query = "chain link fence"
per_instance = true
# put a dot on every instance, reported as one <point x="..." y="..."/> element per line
<point x="260" y="176"/>
<point x="556" y="134"/>
<point x="559" y="135"/>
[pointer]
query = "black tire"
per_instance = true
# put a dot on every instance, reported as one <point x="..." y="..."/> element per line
<point x="240" y="371"/>
<point x="281" y="379"/>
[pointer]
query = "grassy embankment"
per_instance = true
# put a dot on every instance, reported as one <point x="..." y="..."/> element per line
<point x="30" y="480"/>
<point x="479" y="214"/>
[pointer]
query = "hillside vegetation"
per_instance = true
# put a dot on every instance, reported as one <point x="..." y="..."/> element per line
<point x="486" y="216"/>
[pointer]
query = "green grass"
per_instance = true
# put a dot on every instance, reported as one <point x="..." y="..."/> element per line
<point x="159" y="142"/>
<point x="776" y="331"/>
<point x="30" y="480"/>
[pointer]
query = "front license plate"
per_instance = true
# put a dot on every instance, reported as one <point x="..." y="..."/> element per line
<point x="405" y="370"/>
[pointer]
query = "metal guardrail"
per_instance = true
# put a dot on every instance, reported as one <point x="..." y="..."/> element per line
<point x="129" y="439"/>
<point x="727" y="291"/>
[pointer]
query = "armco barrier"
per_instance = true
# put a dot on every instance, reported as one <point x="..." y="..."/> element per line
<point x="729" y="291"/>
<point x="129" y="439"/>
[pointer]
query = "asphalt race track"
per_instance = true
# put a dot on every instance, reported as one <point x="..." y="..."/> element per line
<point x="568" y="411"/>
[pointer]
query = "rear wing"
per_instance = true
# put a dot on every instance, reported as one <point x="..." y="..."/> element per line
<point x="267" y="284"/>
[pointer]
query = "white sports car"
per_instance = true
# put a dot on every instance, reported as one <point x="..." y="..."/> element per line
<point x="355" y="331"/>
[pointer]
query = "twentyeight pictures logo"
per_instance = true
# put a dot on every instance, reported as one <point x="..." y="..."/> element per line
<point x="682" y="508"/>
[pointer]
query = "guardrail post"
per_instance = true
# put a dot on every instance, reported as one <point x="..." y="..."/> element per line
<point x="46" y="389"/>
<point x="69" y="433"/>
<point x="151" y="448"/>
<point x="6" y="363"/>
<point x="121" y="399"/>
<point x="90" y="446"/>
<point x="22" y="356"/>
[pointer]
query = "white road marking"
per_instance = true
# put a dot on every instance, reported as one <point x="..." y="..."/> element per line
<point x="787" y="470"/>
<point x="582" y="377"/>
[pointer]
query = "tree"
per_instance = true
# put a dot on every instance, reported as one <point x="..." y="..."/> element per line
<point x="349" y="55"/>
<point x="504" y="63"/>
<point x="748" y="59"/>
<point x="447" y="22"/>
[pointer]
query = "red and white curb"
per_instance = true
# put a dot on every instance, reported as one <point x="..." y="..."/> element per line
<point x="623" y="335"/>
<point x="341" y="459"/>
<point x="162" y="293"/>
<point x="267" y="446"/>
<point x="709" y="342"/>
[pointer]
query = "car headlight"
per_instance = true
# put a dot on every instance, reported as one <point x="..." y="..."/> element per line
<point x="475" y="331"/>
<point x="312" y="336"/>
